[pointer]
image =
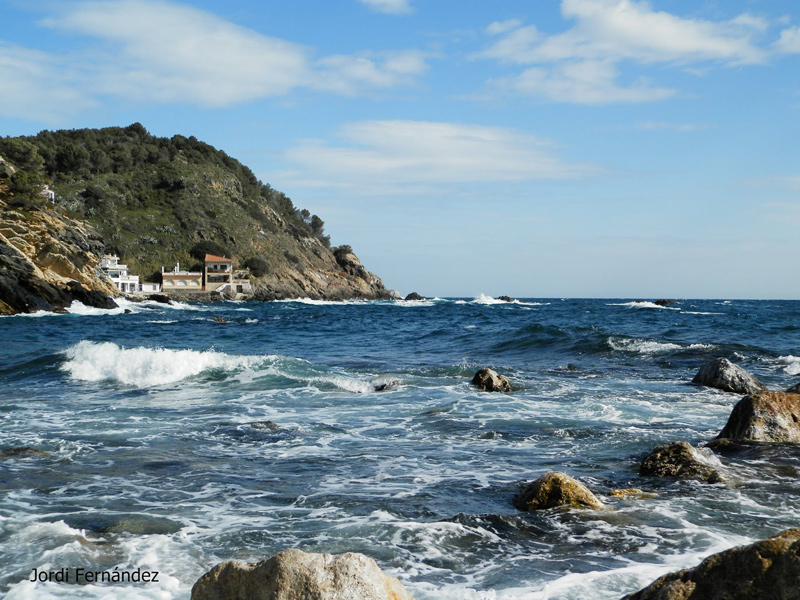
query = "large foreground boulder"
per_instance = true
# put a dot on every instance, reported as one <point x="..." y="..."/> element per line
<point x="489" y="381"/>
<point x="723" y="375"/>
<point x="297" y="575"/>
<point x="769" y="569"/>
<point x="765" y="417"/>
<point x="555" y="489"/>
<point x="683" y="461"/>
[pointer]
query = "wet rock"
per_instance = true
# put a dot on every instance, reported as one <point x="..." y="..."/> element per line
<point x="415" y="296"/>
<point x="635" y="492"/>
<point x="269" y="425"/>
<point x="296" y="575"/>
<point x="506" y="298"/>
<point x="795" y="389"/>
<point x="665" y="302"/>
<point x="765" y="417"/>
<point x="723" y="375"/>
<point x="683" y="461"/>
<point x="767" y="569"/>
<point x="489" y="381"/>
<point x="22" y="452"/>
<point x="92" y="298"/>
<point x="555" y="489"/>
<point x="163" y="299"/>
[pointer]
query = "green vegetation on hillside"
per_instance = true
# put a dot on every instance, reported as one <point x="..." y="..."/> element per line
<point x="155" y="200"/>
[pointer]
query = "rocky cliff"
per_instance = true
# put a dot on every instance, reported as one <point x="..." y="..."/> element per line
<point x="47" y="261"/>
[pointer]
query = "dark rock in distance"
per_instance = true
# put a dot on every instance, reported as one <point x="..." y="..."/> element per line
<point x="723" y="375"/>
<point x="680" y="460"/>
<point x="795" y="389"/>
<point x="489" y="381"/>
<point x="554" y="489"/>
<point x="506" y="298"/>
<point x="765" y="417"/>
<point x="766" y="569"/>
<point x="295" y="575"/>
<point x="161" y="298"/>
<point x="415" y="296"/>
<point x="664" y="302"/>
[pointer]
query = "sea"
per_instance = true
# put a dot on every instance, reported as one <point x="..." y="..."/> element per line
<point x="167" y="438"/>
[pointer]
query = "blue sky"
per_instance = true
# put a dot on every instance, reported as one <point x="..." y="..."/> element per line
<point x="594" y="148"/>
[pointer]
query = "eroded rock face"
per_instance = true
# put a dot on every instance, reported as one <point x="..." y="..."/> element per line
<point x="683" y="461"/>
<point x="723" y="375"/>
<point x="767" y="569"/>
<point x="296" y="575"/>
<point x="47" y="261"/>
<point x="489" y="381"/>
<point x="765" y="417"/>
<point x="555" y="489"/>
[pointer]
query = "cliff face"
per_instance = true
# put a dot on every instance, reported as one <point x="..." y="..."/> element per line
<point x="47" y="261"/>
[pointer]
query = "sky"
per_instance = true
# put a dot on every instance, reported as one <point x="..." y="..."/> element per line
<point x="539" y="148"/>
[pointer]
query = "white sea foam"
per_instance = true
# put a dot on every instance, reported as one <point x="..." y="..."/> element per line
<point x="324" y="302"/>
<point x="791" y="364"/>
<point x="145" y="367"/>
<point x="644" y="304"/>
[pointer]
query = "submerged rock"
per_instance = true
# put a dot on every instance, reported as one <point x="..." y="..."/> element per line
<point x="681" y="460"/>
<point x="22" y="452"/>
<point x="297" y="575"/>
<point x="555" y="489"/>
<point x="634" y="492"/>
<point x="765" y="417"/>
<point x="723" y="375"/>
<point x="489" y="381"/>
<point x="767" y="569"/>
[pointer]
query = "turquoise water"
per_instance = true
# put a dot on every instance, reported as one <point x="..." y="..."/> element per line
<point x="171" y="441"/>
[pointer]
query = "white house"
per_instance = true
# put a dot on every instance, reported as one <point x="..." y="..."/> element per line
<point x="118" y="273"/>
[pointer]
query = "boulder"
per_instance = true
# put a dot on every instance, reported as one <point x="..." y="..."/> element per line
<point x="766" y="569"/>
<point x="664" y="302"/>
<point x="489" y="381"/>
<point x="723" y="375"/>
<point x="682" y="460"/>
<point x="556" y="489"/>
<point x="415" y="296"/>
<point x="765" y="417"/>
<point x="506" y="298"/>
<point x="296" y="575"/>
<point x="90" y="297"/>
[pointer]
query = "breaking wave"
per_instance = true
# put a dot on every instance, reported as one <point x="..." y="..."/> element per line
<point x="145" y="367"/>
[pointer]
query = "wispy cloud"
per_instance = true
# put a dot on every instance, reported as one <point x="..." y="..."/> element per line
<point x="789" y="42"/>
<point x="165" y="52"/>
<point x="607" y="32"/>
<point x="662" y="126"/>
<point x="39" y="86"/>
<point x="420" y="152"/>
<point x="389" y="7"/>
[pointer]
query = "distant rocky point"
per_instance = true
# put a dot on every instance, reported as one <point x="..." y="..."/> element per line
<point x="69" y="197"/>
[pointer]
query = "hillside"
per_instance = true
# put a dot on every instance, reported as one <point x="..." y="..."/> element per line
<point x="157" y="201"/>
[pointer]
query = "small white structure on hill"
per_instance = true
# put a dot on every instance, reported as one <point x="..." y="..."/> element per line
<point x="118" y="273"/>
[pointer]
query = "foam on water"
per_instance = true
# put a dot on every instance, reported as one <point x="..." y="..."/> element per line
<point x="146" y="367"/>
<point x="644" y="304"/>
<point x="791" y="364"/>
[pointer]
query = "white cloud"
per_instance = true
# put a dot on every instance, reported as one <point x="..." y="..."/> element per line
<point x="499" y="27"/>
<point x="351" y="74"/>
<point x="583" y="82"/>
<point x="609" y="31"/>
<point x="38" y="86"/>
<point x="661" y="126"/>
<point x="389" y="7"/>
<point x="159" y="51"/>
<point x="421" y="152"/>
<point x="789" y="42"/>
